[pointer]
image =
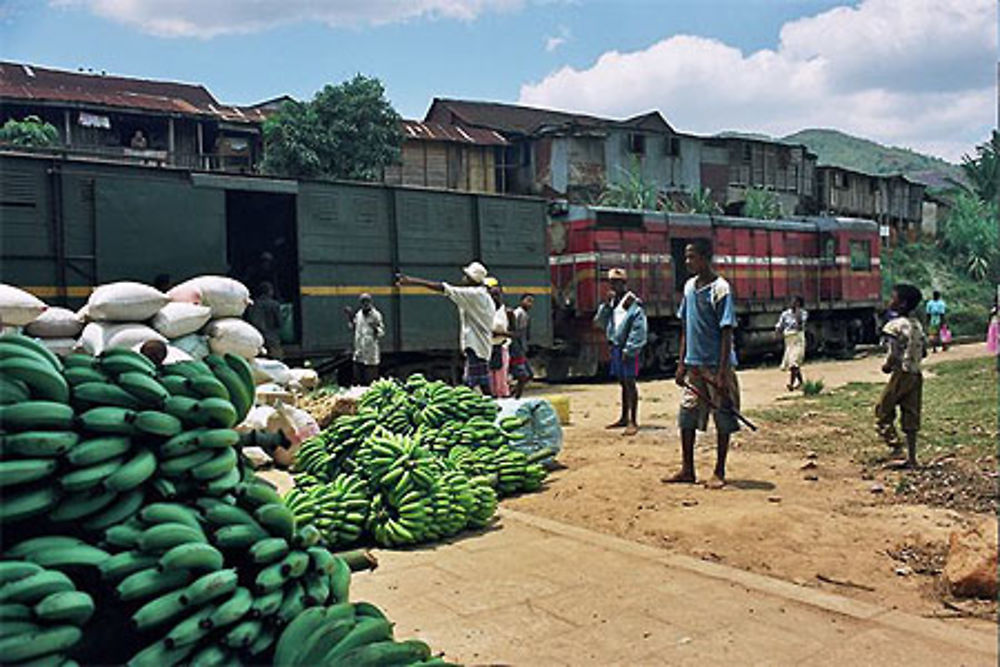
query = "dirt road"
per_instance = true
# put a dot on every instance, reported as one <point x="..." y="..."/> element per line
<point x="783" y="514"/>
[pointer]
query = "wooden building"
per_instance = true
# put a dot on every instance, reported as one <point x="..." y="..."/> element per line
<point x="893" y="200"/>
<point x="99" y="115"/>
<point x="437" y="155"/>
<point x="731" y="165"/>
<point x="573" y="156"/>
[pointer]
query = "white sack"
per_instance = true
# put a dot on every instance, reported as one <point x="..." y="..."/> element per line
<point x="55" y="323"/>
<point x="270" y="370"/>
<point x="61" y="347"/>
<point x="99" y="336"/>
<point x="125" y="302"/>
<point x="18" y="307"/>
<point x="234" y="336"/>
<point x="177" y="319"/>
<point x="225" y="296"/>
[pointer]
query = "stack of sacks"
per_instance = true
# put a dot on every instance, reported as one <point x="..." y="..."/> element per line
<point x="224" y="331"/>
<point x="117" y="313"/>
<point x="196" y="318"/>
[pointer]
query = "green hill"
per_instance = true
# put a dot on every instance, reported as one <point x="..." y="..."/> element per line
<point x="843" y="150"/>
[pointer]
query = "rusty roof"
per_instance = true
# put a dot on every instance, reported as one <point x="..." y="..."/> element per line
<point x="420" y="131"/>
<point x="514" y="118"/>
<point x="40" y="84"/>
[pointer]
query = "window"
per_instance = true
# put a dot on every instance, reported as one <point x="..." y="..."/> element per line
<point x="838" y="179"/>
<point x="861" y="256"/>
<point x="525" y="154"/>
<point x="637" y="144"/>
<point x="829" y="247"/>
<point x="672" y="146"/>
<point x="747" y="153"/>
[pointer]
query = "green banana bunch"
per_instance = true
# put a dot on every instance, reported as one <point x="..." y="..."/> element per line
<point x="43" y="611"/>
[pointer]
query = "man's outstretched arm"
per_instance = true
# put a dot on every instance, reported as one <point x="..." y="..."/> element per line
<point x="403" y="280"/>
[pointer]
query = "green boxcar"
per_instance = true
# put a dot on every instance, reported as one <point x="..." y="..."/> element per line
<point x="68" y="225"/>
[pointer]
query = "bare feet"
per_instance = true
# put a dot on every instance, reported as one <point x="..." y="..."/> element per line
<point x="621" y="423"/>
<point x="631" y="430"/>
<point x="715" y="483"/>
<point x="683" y="477"/>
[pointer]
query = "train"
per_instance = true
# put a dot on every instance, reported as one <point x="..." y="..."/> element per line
<point x="832" y="263"/>
<point x="68" y="224"/>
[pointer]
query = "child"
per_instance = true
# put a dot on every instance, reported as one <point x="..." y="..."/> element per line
<point x="907" y="347"/>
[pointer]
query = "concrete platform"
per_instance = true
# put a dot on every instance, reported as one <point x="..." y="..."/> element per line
<point x="532" y="591"/>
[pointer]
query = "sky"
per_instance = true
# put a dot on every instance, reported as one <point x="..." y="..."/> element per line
<point x="915" y="73"/>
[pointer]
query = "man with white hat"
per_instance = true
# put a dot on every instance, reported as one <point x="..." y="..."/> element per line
<point x="475" y="315"/>
<point x="623" y="320"/>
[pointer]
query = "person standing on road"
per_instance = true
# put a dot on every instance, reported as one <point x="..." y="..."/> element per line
<point x="475" y="314"/>
<point x="500" y="352"/>
<point x="936" y="309"/>
<point x="907" y="347"/>
<point x="368" y="328"/>
<point x="624" y="322"/>
<point x="519" y="366"/>
<point x="707" y="362"/>
<point x="792" y="325"/>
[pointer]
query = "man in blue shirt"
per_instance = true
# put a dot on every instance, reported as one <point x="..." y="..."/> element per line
<point x="624" y="322"/>
<point x="707" y="360"/>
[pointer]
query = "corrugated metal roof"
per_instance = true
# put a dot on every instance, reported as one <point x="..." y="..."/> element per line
<point x="420" y="131"/>
<point x="529" y="120"/>
<point x="30" y="83"/>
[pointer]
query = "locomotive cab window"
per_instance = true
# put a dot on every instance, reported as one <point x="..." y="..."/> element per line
<point x="861" y="256"/>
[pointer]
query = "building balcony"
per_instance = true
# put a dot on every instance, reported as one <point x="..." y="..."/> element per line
<point x="152" y="157"/>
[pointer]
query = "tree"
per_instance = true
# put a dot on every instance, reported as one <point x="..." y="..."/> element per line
<point x="983" y="170"/>
<point x="346" y="131"/>
<point x="32" y="132"/>
<point x="761" y="204"/>
<point x="631" y="191"/>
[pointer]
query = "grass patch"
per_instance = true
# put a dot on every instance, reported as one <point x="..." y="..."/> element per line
<point x="812" y="387"/>
<point x="959" y="415"/>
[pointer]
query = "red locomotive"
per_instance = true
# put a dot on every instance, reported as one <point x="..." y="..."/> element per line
<point x="833" y="263"/>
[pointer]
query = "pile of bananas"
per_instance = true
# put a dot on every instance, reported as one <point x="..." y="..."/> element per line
<point x="427" y="458"/>
<point x="134" y="532"/>
<point x="347" y="634"/>
<point x="41" y="611"/>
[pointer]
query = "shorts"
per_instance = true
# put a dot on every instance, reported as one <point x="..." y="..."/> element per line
<point x="622" y="367"/>
<point x="906" y="391"/>
<point x="694" y="408"/>
<point x="521" y="369"/>
<point x="477" y="371"/>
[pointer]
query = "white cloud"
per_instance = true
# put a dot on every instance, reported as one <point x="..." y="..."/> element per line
<point x="553" y="42"/>
<point x="209" y="18"/>
<point x="917" y="73"/>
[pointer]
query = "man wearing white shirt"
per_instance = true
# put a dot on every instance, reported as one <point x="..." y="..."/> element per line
<point x="475" y="315"/>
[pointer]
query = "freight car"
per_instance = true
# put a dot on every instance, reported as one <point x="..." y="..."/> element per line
<point x="833" y="263"/>
<point x="67" y="225"/>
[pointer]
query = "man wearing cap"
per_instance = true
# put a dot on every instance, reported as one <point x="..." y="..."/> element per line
<point x="624" y="322"/>
<point x="368" y="328"/>
<point x="475" y="315"/>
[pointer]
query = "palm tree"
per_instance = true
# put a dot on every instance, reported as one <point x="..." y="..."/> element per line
<point x="983" y="171"/>
<point x="702" y="202"/>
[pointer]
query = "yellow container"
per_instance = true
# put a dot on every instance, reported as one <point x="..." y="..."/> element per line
<point x="560" y="403"/>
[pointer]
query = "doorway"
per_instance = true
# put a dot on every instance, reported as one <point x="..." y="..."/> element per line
<point x="258" y="225"/>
